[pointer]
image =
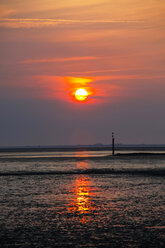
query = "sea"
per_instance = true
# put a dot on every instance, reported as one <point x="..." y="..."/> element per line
<point x="82" y="198"/>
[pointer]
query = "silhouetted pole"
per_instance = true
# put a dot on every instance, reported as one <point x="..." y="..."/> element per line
<point x="113" y="145"/>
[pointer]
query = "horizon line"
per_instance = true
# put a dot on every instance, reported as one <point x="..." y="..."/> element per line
<point x="86" y="145"/>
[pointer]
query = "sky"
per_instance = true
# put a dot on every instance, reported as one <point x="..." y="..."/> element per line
<point x="115" y="50"/>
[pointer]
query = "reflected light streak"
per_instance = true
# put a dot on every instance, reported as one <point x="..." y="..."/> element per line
<point x="82" y="165"/>
<point x="82" y="202"/>
<point x="81" y="154"/>
<point x="82" y="193"/>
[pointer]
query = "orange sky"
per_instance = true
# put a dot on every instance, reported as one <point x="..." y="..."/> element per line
<point x="47" y="45"/>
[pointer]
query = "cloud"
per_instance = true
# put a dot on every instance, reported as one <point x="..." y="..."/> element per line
<point x="42" y="22"/>
<point x="54" y="60"/>
<point x="4" y="11"/>
<point x="95" y="71"/>
<point x="129" y="77"/>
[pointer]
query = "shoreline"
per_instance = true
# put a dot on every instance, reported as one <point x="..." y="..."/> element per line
<point x="117" y="156"/>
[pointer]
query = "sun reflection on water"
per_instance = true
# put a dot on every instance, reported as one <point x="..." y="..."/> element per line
<point x="82" y="165"/>
<point x="82" y="205"/>
<point x="82" y="193"/>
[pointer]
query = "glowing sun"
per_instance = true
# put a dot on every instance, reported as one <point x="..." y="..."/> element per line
<point x="81" y="94"/>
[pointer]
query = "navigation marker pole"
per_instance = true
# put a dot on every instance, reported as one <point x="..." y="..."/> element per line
<point x="113" y="144"/>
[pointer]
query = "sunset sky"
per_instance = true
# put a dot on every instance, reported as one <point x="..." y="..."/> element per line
<point x="115" y="50"/>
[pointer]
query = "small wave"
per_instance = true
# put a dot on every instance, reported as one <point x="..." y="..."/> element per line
<point x="142" y="172"/>
<point x="155" y="227"/>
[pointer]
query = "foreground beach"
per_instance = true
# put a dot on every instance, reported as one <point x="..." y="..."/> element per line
<point x="82" y="200"/>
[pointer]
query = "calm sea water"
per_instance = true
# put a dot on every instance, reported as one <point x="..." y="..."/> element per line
<point x="78" y="199"/>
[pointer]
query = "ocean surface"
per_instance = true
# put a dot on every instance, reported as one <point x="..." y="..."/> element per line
<point x="81" y="198"/>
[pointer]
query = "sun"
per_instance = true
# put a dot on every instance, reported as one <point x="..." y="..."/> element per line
<point x="81" y="94"/>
